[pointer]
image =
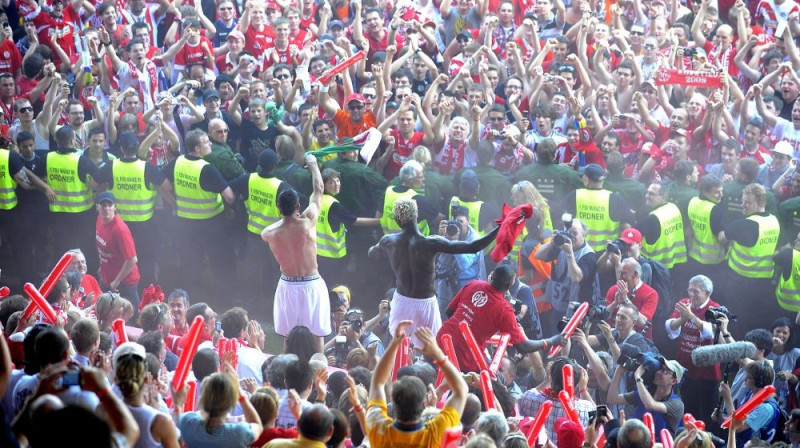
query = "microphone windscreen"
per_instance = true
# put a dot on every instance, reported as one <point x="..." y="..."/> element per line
<point x="710" y="355"/>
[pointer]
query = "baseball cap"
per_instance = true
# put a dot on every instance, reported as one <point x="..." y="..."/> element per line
<point x="105" y="196"/>
<point x="469" y="183"/>
<point x="631" y="236"/>
<point x="569" y="434"/>
<point x="355" y="97"/>
<point x="784" y="147"/>
<point x="334" y="23"/>
<point x="673" y="366"/>
<point x="464" y="35"/>
<point x="236" y="34"/>
<point x="210" y="93"/>
<point x="129" y="348"/>
<point x="594" y="172"/>
<point x="273" y="5"/>
<point x="649" y="82"/>
<point x="127" y="140"/>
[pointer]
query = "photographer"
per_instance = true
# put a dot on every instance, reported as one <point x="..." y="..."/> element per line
<point x="453" y="271"/>
<point x="355" y="336"/>
<point x="690" y="325"/>
<point x="623" y="332"/>
<point x="663" y="403"/>
<point x="628" y="245"/>
<point x="573" y="277"/>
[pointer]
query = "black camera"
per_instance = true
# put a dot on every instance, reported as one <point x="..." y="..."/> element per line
<point x="598" y="313"/>
<point x="341" y="349"/>
<point x="631" y="358"/>
<point x="452" y="227"/>
<point x="618" y="247"/>
<point x="357" y="325"/>
<point x="689" y="52"/>
<point x="715" y="313"/>
<point x="560" y="237"/>
<point x="516" y="304"/>
<point x="336" y="300"/>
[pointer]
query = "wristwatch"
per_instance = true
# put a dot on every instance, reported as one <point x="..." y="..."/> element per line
<point x="639" y="380"/>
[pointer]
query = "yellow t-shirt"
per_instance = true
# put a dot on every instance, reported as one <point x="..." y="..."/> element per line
<point x="382" y="433"/>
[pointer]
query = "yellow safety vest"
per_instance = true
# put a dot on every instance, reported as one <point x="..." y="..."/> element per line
<point x="756" y="261"/>
<point x="670" y="248"/>
<point x="134" y="201"/>
<point x="388" y="224"/>
<point x="8" y="198"/>
<point x="704" y="247"/>
<point x="261" y="203"/>
<point x="593" y="208"/>
<point x="330" y="243"/>
<point x="788" y="291"/>
<point x="474" y="209"/>
<point x="192" y="201"/>
<point x="546" y="224"/>
<point x="72" y="195"/>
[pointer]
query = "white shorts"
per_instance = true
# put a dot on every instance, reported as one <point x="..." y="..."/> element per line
<point x="303" y="303"/>
<point x="422" y="312"/>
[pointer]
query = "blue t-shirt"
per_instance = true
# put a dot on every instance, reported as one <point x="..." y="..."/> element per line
<point x="230" y="435"/>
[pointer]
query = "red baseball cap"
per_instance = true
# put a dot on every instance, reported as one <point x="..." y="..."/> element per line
<point x="355" y="97"/>
<point x="631" y="236"/>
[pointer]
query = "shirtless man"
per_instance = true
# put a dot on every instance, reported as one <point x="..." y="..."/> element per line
<point x="412" y="256"/>
<point x="302" y="295"/>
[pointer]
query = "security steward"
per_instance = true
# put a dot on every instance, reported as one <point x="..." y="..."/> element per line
<point x="412" y="180"/>
<point x="334" y="221"/>
<point x="787" y="263"/>
<point x="662" y="228"/>
<point x="200" y="191"/>
<point x="260" y="192"/>
<point x="480" y="213"/>
<point x="14" y="174"/>
<point x="753" y="241"/>
<point x="706" y="221"/>
<point x="72" y="211"/>
<point x="603" y="211"/>
<point x="135" y="183"/>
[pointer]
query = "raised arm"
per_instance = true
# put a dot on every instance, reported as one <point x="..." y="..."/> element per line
<point x="464" y="247"/>
<point x="315" y="201"/>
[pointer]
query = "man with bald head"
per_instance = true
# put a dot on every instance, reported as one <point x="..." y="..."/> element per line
<point x="315" y="426"/>
<point x="221" y="155"/>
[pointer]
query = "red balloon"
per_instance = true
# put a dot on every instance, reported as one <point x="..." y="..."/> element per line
<point x="189" y="350"/>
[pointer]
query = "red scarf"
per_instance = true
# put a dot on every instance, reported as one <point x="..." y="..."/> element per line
<point x="151" y="72"/>
<point x="452" y="159"/>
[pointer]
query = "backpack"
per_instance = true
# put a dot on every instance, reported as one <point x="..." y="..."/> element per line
<point x="774" y="432"/>
<point x="662" y="283"/>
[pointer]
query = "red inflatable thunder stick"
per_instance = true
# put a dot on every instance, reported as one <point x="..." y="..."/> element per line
<point x="37" y="301"/>
<point x="487" y="390"/>
<point x="473" y="346"/>
<point x="189" y="350"/>
<point x="647" y="419"/>
<point x="451" y="437"/>
<point x="498" y="354"/>
<point x="750" y="404"/>
<point x="569" y="408"/>
<point x="400" y="358"/>
<point x="4" y="292"/>
<point x="666" y="438"/>
<point x="344" y="65"/>
<point x="538" y="422"/>
<point x="120" y="335"/>
<point x="568" y="379"/>
<point x="573" y="323"/>
<point x="191" y="397"/>
<point x="48" y="284"/>
<point x="450" y="352"/>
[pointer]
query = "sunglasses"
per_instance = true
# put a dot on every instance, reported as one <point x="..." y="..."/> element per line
<point x="637" y="33"/>
<point x="283" y="76"/>
<point x="355" y="106"/>
<point x="650" y="47"/>
<point x="23" y="110"/>
<point x="370" y="96"/>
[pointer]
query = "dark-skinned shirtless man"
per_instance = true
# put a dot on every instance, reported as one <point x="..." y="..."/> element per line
<point x="412" y="256"/>
<point x="302" y="295"/>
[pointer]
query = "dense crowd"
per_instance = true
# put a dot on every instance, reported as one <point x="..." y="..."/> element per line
<point x="252" y="153"/>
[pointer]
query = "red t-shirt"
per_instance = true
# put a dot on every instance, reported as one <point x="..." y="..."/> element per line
<point x="10" y="57"/>
<point x="689" y="340"/>
<point x="486" y="311"/>
<point x="646" y="300"/>
<point x="192" y="54"/>
<point x="257" y="42"/>
<point x="402" y="152"/>
<point x="114" y="246"/>
<point x="59" y="32"/>
<point x="26" y="85"/>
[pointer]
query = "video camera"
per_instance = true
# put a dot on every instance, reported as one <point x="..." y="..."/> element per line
<point x="561" y="236"/>
<point x="715" y="313"/>
<point x="595" y="314"/>
<point x="618" y="247"/>
<point x="631" y="358"/>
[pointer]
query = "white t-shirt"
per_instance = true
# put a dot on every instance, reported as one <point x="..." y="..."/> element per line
<point x="785" y="130"/>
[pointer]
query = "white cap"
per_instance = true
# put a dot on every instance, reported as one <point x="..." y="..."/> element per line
<point x="784" y="147"/>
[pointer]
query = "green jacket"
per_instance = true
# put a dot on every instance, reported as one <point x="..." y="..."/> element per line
<point x="789" y="217"/>
<point x="552" y="180"/>
<point x="362" y="187"/>
<point x="680" y="195"/>
<point x="225" y="160"/>
<point x="495" y="186"/>
<point x="633" y="191"/>
<point x="732" y="201"/>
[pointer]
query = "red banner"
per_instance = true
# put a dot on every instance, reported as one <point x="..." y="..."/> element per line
<point x="688" y="78"/>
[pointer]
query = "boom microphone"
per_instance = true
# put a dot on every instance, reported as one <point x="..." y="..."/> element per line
<point x="710" y="355"/>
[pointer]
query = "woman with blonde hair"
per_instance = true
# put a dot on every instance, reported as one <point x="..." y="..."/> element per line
<point x="130" y="371"/>
<point x="208" y="427"/>
<point x="108" y="308"/>
<point x="524" y="192"/>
